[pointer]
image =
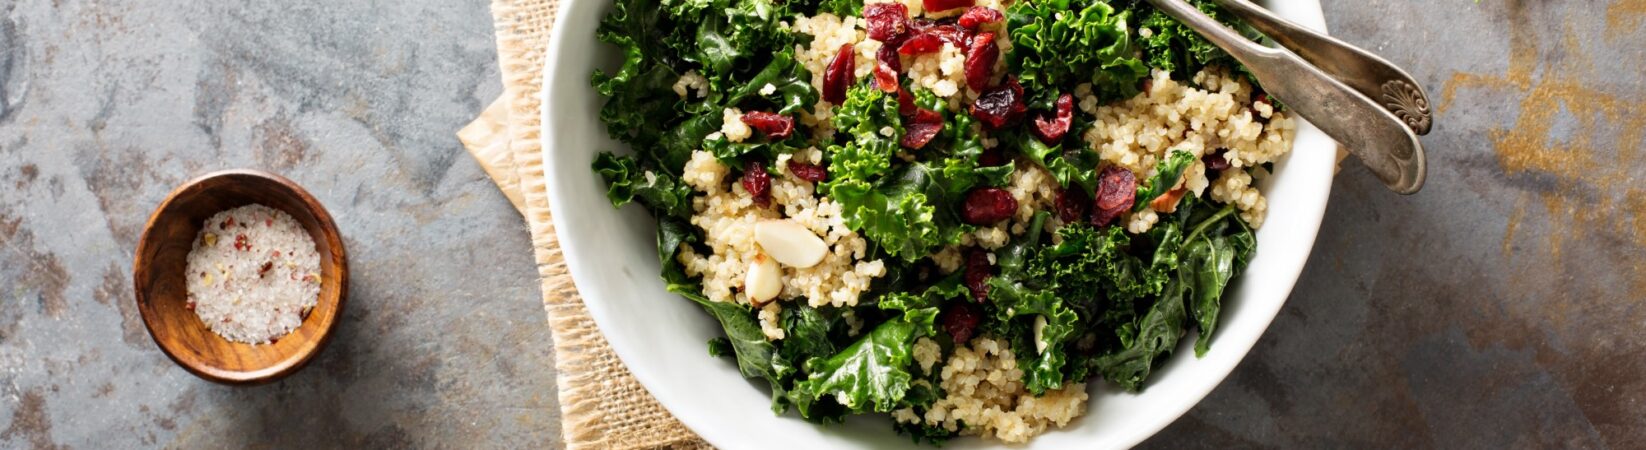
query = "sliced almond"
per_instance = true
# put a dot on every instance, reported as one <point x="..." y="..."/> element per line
<point x="790" y="243"/>
<point x="763" y="281"/>
<point x="1040" y="334"/>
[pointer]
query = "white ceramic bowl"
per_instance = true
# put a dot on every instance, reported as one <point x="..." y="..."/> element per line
<point x="660" y="336"/>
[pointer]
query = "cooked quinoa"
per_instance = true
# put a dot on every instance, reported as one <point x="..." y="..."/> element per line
<point x="959" y="213"/>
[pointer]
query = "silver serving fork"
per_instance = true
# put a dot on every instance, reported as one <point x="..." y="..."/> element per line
<point x="1333" y="85"/>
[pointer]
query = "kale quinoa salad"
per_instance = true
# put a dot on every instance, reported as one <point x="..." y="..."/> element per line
<point x="956" y="213"/>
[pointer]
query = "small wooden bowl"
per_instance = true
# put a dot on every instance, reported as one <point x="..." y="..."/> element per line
<point x="162" y="293"/>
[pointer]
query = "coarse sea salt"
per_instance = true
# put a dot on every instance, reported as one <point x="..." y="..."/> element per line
<point x="253" y="274"/>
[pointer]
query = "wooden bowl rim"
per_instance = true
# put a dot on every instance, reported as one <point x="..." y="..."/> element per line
<point x="285" y="367"/>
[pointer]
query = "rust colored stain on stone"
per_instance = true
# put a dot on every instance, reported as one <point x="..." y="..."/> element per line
<point x="30" y="172"/>
<point x="116" y="290"/>
<point x="1592" y="212"/>
<point x="278" y="144"/>
<point x="1624" y="17"/>
<point x="30" y="422"/>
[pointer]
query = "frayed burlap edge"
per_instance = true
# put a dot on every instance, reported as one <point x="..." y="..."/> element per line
<point x="602" y="405"/>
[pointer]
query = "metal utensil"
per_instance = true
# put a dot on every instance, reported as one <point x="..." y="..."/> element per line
<point x="1331" y="96"/>
<point x="1373" y="76"/>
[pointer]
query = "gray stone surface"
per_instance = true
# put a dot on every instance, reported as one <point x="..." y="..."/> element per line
<point x="106" y="106"/>
<point x="1501" y="307"/>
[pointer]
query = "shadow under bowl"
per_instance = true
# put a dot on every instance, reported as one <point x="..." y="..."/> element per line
<point x="162" y="293"/>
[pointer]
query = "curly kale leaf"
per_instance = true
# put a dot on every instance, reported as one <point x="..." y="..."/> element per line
<point x="807" y="332"/>
<point x="906" y="214"/>
<point x="959" y="148"/>
<point x="1174" y="47"/>
<point x="869" y="118"/>
<point x="661" y="193"/>
<point x="726" y="38"/>
<point x="908" y="209"/>
<point x="1091" y="260"/>
<point x="1073" y="167"/>
<point x="1040" y="346"/>
<point x="739" y="46"/>
<point x="1057" y="44"/>
<point x="1208" y="258"/>
<point x="1166" y="176"/>
<point x="871" y="374"/>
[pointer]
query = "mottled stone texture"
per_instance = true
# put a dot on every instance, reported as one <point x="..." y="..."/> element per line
<point x="1503" y="306"/>
<point x="107" y="105"/>
<point x="1499" y="308"/>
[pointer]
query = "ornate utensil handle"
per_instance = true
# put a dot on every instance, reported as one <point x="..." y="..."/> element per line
<point x="1364" y="125"/>
<point x="1369" y="74"/>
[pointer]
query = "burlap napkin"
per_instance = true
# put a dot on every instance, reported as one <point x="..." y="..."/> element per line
<point x="601" y="404"/>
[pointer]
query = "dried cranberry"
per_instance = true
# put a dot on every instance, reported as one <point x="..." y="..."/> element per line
<point x="1216" y="161"/>
<point x="1072" y="204"/>
<point x="977" y="274"/>
<point x="991" y="158"/>
<point x="1001" y="105"/>
<point x="905" y="103"/>
<point x="945" y="5"/>
<point x="886" y="22"/>
<point x="809" y="172"/>
<point x="1116" y="191"/>
<point x="950" y="33"/>
<point x="838" y="76"/>
<point x="988" y="206"/>
<point x="921" y="44"/>
<point x="920" y="131"/>
<point x="776" y="127"/>
<point x="226" y="224"/>
<point x="887" y="55"/>
<point x="980" y="58"/>
<point x="885" y="78"/>
<point x="758" y="183"/>
<point x="978" y="16"/>
<point x="1051" y="129"/>
<point x="960" y="320"/>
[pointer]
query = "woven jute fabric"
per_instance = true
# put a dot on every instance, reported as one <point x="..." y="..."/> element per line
<point x="601" y="404"/>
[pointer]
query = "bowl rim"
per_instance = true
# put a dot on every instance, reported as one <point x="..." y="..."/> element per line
<point x="142" y="273"/>
<point x="1306" y="12"/>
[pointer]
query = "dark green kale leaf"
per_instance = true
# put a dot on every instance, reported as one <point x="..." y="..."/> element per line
<point x="1047" y="325"/>
<point x="958" y="147"/>
<point x="866" y="112"/>
<point x="1057" y="44"/>
<point x="1157" y="333"/>
<point x="755" y="355"/>
<point x="909" y="210"/>
<point x="920" y="432"/>
<point x="871" y="374"/>
<point x="660" y="192"/>
<point x="1176" y="48"/>
<point x="1091" y="260"/>
<point x="1207" y="259"/>
<point x="806" y="333"/>
<point x="1213" y="254"/>
<point x="1074" y="167"/>
<point x="1167" y="174"/>
<point x="898" y="216"/>
<point x="794" y="93"/>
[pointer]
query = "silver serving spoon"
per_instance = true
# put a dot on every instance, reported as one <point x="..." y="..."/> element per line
<point x="1336" y="96"/>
